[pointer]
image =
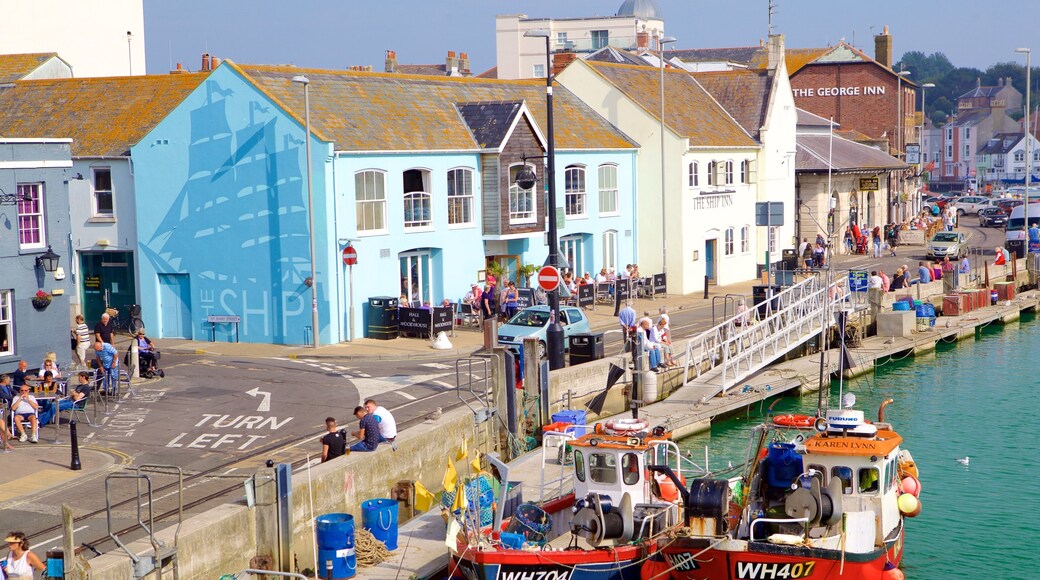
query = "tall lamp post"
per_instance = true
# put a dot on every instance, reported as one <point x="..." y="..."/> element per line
<point x="554" y="333"/>
<point x="1029" y="143"/>
<point x="899" y="130"/>
<point x="661" y="41"/>
<point x="300" y="79"/>
<point x="924" y="117"/>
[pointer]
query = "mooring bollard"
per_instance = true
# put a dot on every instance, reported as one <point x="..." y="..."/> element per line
<point x="706" y="278"/>
<point x="75" y="466"/>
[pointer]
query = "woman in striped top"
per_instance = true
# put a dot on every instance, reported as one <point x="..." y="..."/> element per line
<point x="81" y="332"/>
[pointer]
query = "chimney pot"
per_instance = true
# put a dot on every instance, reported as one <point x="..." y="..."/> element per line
<point x="205" y="62"/>
<point x="214" y="62"/>
<point x="391" y="61"/>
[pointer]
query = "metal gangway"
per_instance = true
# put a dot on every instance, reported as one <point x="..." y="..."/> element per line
<point x="749" y="341"/>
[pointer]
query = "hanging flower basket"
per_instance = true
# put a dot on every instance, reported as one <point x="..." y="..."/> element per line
<point x="41" y="300"/>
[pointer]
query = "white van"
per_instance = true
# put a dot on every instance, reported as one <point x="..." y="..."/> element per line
<point x="1015" y="232"/>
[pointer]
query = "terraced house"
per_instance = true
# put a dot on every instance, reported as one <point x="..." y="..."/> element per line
<point x="416" y="173"/>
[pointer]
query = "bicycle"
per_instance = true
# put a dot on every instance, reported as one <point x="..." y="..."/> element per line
<point x="131" y="323"/>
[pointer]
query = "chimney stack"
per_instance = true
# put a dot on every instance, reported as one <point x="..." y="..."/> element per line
<point x="391" y="61"/>
<point x="451" y="64"/>
<point x="561" y="60"/>
<point x="643" y="39"/>
<point x="883" y="48"/>
<point x="179" y="70"/>
<point x="464" y="63"/>
<point x="214" y="62"/>
<point x="774" y="52"/>
<point x="205" y="62"/>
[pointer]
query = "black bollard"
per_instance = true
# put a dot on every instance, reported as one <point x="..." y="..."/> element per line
<point x="706" y="286"/>
<point x="76" y="466"/>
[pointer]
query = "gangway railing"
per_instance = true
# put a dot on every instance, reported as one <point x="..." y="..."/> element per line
<point x="144" y="565"/>
<point x="749" y="341"/>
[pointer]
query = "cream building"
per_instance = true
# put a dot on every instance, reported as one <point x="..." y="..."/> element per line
<point x="520" y="57"/>
<point x="90" y="35"/>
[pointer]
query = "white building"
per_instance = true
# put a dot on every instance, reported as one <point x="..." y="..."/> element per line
<point x="97" y="37"/>
<point x="520" y="57"/>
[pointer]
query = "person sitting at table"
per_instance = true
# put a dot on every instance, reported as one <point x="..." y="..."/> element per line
<point x="47" y="385"/>
<point x="51" y="367"/>
<point x="24" y="408"/>
<point x="6" y="390"/>
<point x="19" y="374"/>
<point x="80" y="392"/>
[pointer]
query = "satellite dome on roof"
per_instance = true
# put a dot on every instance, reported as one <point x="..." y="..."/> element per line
<point x="639" y="9"/>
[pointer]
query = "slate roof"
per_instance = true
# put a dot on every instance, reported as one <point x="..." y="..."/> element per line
<point x="738" y="54"/>
<point x="690" y="110"/>
<point x="391" y="112"/>
<point x="15" y="67"/>
<point x="744" y="94"/>
<point x="104" y="116"/>
<point x="1001" y="144"/>
<point x="490" y="122"/>
<point x="981" y="92"/>
<point x="807" y="119"/>
<point x="616" y="56"/>
<point x="968" y="119"/>
<point x="812" y="155"/>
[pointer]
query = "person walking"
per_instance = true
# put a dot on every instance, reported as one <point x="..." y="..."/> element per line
<point x="81" y="334"/>
<point x="104" y="329"/>
<point x="875" y="238"/>
<point x="334" y="442"/>
<point x="108" y="363"/>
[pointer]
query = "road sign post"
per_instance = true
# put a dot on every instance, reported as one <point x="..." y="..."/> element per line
<point x="350" y="258"/>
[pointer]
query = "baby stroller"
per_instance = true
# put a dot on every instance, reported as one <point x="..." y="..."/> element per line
<point x="862" y="245"/>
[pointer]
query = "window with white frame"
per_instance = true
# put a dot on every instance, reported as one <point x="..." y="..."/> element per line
<point x="949" y="151"/>
<point x="745" y="239"/>
<point x="744" y="178"/>
<point x="693" y="177"/>
<point x="967" y="150"/>
<point x="608" y="190"/>
<point x="949" y="134"/>
<point x="6" y="322"/>
<point x="574" y="190"/>
<point x="417" y="204"/>
<point x="521" y="201"/>
<point x="573" y="250"/>
<point x="539" y="71"/>
<point x="967" y="132"/>
<point x="30" y="216"/>
<point x="102" y="181"/>
<point x="772" y="239"/>
<point x="727" y="244"/>
<point x="561" y="39"/>
<point x="1020" y="156"/>
<point x="1036" y="155"/>
<point x="729" y="172"/>
<point x="460" y="197"/>
<point x="712" y="168"/>
<point x="370" y="199"/>
<point x="610" y="249"/>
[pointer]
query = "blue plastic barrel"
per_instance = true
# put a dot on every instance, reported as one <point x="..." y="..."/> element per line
<point x="574" y="417"/>
<point x="379" y="516"/>
<point x="929" y="310"/>
<point x="335" y="535"/>
<point x="922" y="312"/>
<point x="900" y="306"/>
<point x="783" y="464"/>
<point x="55" y="563"/>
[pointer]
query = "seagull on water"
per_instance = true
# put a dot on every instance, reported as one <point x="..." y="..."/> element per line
<point x="963" y="460"/>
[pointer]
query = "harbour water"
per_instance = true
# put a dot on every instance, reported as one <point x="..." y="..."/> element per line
<point x="976" y="398"/>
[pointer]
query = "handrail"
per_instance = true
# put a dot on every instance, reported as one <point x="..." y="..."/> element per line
<point x="774" y="521"/>
<point x="564" y="438"/>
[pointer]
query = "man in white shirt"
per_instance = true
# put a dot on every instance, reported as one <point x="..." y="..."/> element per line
<point x="875" y="281"/>
<point x="24" y="407"/>
<point x="387" y="424"/>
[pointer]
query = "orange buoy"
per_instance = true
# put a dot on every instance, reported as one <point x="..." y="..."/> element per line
<point x="892" y="573"/>
<point x="796" y="421"/>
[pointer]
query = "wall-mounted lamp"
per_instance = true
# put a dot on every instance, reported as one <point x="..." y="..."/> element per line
<point x="48" y="260"/>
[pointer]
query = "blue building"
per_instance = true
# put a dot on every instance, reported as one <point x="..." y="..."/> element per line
<point x="416" y="173"/>
<point x="34" y="220"/>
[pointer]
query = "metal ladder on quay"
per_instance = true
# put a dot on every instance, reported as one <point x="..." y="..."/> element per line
<point x="731" y="351"/>
<point x="162" y="554"/>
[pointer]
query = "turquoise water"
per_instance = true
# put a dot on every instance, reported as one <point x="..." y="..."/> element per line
<point x="977" y="398"/>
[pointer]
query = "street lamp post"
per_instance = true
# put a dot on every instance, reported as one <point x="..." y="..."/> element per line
<point x="300" y="79"/>
<point x="1029" y="147"/>
<point x="661" y="41"/>
<point x="554" y="333"/>
<point x="924" y="117"/>
<point x="899" y="131"/>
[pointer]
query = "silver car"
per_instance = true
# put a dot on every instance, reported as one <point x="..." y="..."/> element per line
<point x="948" y="244"/>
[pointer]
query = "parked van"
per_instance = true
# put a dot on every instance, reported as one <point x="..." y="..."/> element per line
<point x="1015" y="232"/>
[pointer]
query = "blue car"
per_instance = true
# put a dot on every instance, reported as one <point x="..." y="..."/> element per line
<point x="534" y="321"/>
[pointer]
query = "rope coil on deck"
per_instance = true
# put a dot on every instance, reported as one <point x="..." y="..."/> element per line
<point x="369" y="550"/>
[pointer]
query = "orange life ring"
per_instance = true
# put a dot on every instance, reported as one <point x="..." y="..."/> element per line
<point x="797" y="421"/>
<point x="625" y="427"/>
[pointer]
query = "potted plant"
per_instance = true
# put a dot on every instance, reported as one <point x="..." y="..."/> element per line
<point x="524" y="273"/>
<point x="41" y="300"/>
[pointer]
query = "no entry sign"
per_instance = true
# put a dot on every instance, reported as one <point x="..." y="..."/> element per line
<point x="549" y="278"/>
<point x="349" y="256"/>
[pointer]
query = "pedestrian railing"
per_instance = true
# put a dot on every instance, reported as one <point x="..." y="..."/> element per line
<point x="746" y="343"/>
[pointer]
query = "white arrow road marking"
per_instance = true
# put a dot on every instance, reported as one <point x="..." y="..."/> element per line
<point x="265" y="405"/>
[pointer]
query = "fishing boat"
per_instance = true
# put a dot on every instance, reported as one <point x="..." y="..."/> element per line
<point x="828" y="503"/>
<point x="605" y="529"/>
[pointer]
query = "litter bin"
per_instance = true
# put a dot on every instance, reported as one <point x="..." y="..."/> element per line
<point x="760" y="298"/>
<point x="585" y="348"/>
<point x="382" y="318"/>
<point x="790" y="259"/>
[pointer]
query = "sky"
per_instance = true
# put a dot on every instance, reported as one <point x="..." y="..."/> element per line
<point x="340" y="33"/>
